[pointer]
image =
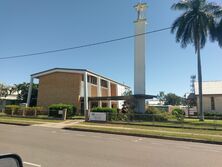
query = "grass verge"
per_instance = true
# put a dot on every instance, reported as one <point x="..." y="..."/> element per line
<point x="187" y="123"/>
<point x="195" y="135"/>
<point x="25" y="121"/>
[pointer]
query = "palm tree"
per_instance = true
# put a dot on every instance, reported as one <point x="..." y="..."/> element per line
<point x="219" y="33"/>
<point x="197" y="22"/>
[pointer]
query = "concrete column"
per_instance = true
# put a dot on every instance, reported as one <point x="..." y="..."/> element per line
<point x="139" y="56"/>
<point x="30" y="92"/>
<point x="86" y="106"/>
<point x="109" y="94"/>
<point x="117" y="91"/>
<point x="99" y="90"/>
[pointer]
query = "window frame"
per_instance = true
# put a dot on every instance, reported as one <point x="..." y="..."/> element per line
<point x="104" y="83"/>
<point x="212" y="103"/>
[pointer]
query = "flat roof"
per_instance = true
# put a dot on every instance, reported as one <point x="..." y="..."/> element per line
<point x="104" y="98"/>
<point x="71" y="70"/>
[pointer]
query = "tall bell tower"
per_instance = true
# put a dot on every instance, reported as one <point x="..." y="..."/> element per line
<point x="139" y="56"/>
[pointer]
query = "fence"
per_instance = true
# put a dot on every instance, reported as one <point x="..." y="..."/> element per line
<point x="167" y="120"/>
<point x="35" y="113"/>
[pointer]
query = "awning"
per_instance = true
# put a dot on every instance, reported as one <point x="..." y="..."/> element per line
<point x="104" y="98"/>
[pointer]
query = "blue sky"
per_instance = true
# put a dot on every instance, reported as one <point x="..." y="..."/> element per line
<point x="29" y="26"/>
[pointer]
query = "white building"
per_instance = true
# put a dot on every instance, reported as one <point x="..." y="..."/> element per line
<point x="212" y="96"/>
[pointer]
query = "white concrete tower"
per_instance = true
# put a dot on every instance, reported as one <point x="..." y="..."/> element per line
<point x="139" y="56"/>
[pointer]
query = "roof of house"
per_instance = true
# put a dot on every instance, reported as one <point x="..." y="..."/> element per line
<point x="209" y="88"/>
<point x="69" y="70"/>
<point x="12" y="96"/>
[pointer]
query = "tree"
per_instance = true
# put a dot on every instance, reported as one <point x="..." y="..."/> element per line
<point x="127" y="92"/>
<point x="219" y="32"/>
<point x="161" y="97"/>
<point x="197" y="22"/>
<point x="5" y="91"/>
<point x="129" y="104"/>
<point x="23" y="89"/>
<point x="172" y="99"/>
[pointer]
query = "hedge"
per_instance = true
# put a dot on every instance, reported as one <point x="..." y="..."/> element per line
<point x="54" y="110"/>
<point x="104" y="109"/>
<point x="212" y="115"/>
<point x="10" y="108"/>
<point x="27" y="111"/>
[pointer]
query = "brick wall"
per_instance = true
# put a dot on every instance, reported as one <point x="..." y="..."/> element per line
<point x="93" y="90"/>
<point x="104" y="91"/>
<point x="113" y="90"/>
<point x="59" y="87"/>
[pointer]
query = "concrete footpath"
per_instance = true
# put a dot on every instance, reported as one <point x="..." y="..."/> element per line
<point x="59" y="125"/>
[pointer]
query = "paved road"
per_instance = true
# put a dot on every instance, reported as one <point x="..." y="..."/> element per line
<point x="53" y="147"/>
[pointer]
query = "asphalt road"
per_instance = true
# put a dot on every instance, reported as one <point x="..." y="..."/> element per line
<point x="50" y="147"/>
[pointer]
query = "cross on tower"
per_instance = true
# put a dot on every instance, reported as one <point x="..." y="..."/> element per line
<point x="140" y="8"/>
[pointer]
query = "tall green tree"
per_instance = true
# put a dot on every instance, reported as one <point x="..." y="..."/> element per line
<point x="5" y="91"/>
<point x="197" y="22"/>
<point x="23" y="89"/>
<point x="172" y="99"/>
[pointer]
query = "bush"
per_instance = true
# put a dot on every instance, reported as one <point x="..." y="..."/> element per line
<point x="178" y="113"/>
<point x="40" y="111"/>
<point x="156" y="114"/>
<point x="28" y="111"/>
<point x="31" y="111"/>
<point x="104" y="109"/>
<point x="212" y="115"/>
<point x="10" y="108"/>
<point x="54" y="110"/>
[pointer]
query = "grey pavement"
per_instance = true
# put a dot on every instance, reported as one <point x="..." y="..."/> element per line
<point x="59" y="125"/>
<point x="53" y="147"/>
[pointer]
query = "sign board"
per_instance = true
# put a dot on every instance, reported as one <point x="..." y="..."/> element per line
<point x="97" y="116"/>
<point x="60" y="112"/>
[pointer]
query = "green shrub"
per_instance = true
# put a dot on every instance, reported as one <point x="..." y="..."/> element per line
<point x="10" y="108"/>
<point x="104" y="109"/>
<point x="213" y="115"/>
<point x="54" y="110"/>
<point x="157" y="114"/>
<point x="28" y="111"/>
<point x="179" y="114"/>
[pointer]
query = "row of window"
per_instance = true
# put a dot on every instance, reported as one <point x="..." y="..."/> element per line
<point x="96" y="104"/>
<point x="93" y="80"/>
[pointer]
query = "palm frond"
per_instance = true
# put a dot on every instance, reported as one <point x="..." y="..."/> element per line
<point x="197" y="23"/>
<point x="213" y="8"/>
<point x="219" y="33"/>
<point x="182" y="5"/>
<point x="218" y="13"/>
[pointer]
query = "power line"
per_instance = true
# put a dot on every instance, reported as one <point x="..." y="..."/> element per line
<point x="82" y="46"/>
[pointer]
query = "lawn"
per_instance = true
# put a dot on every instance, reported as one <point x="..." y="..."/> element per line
<point x="152" y="131"/>
<point x="187" y="123"/>
<point x="25" y="121"/>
